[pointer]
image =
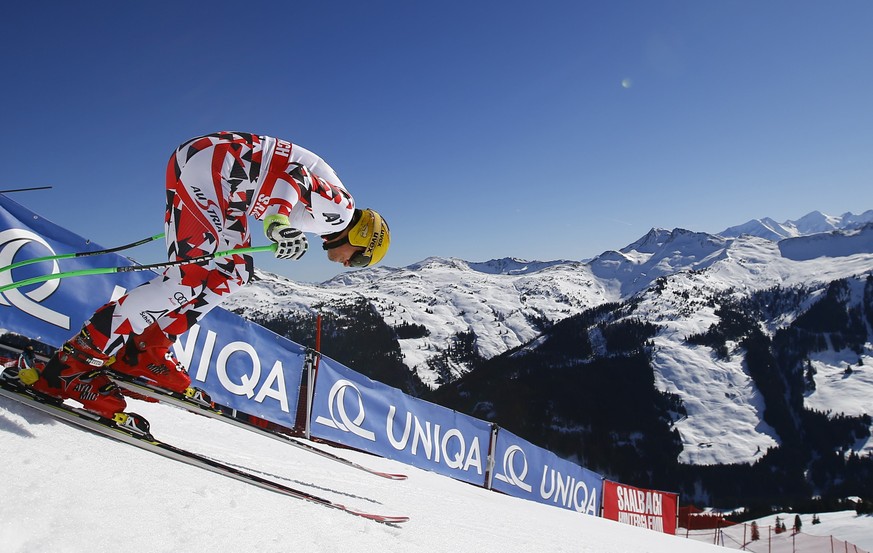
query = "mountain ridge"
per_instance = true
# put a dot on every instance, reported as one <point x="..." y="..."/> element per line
<point x="812" y="223"/>
<point x="513" y="294"/>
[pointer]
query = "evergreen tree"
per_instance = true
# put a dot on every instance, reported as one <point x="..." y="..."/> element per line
<point x="810" y="376"/>
<point x="777" y="527"/>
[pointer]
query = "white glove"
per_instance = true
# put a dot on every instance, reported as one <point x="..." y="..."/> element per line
<point x="291" y="243"/>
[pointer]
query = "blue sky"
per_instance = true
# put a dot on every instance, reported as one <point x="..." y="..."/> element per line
<point x="480" y="129"/>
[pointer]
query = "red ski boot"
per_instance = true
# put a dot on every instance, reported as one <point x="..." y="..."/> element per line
<point x="82" y="348"/>
<point x="148" y="356"/>
<point x="66" y="377"/>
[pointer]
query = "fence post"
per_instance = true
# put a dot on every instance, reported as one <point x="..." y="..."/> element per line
<point x="489" y="463"/>
<point x="311" y="362"/>
<point x="308" y="363"/>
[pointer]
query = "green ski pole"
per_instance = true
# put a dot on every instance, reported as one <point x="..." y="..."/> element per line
<point x="81" y="254"/>
<point x="132" y="268"/>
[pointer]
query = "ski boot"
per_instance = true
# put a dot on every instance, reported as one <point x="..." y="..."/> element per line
<point x="27" y="375"/>
<point x="80" y="348"/>
<point x="148" y="357"/>
<point x="66" y="377"/>
<point x="9" y="375"/>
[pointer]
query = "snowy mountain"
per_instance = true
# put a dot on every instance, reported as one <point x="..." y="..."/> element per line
<point x="451" y="316"/>
<point x="508" y="302"/>
<point x="812" y="223"/>
<point x="840" y="243"/>
<point x="446" y="296"/>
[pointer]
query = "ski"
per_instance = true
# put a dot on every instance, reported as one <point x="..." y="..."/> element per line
<point x="140" y="386"/>
<point x="144" y="440"/>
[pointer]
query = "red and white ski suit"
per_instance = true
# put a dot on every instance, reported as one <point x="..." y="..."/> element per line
<point x="214" y="183"/>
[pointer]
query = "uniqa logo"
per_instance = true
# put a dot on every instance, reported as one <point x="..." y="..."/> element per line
<point x="241" y="377"/>
<point x="11" y="241"/>
<point x="339" y="417"/>
<point x="568" y="491"/>
<point x="509" y="475"/>
<point x="445" y="446"/>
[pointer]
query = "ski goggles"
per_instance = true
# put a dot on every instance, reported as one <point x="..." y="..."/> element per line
<point x="358" y="259"/>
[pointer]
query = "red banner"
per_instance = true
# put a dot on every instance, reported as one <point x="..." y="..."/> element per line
<point x="638" y="507"/>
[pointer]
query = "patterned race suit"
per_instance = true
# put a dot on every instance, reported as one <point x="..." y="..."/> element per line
<point x="214" y="183"/>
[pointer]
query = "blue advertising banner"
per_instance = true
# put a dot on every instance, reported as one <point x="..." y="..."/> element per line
<point x="244" y="366"/>
<point x="240" y="364"/>
<point x="351" y="409"/>
<point x="524" y="470"/>
<point x="52" y="311"/>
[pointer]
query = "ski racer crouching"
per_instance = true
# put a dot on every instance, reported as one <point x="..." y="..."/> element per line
<point x="214" y="183"/>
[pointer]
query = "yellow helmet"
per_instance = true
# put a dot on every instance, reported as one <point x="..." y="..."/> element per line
<point x="371" y="233"/>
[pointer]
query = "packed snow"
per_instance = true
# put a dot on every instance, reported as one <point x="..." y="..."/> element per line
<point x="838" y="532"/>
<point x="68" y="490"/>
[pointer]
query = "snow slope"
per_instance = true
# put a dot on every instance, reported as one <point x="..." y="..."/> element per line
<point x="67" y="490"/>
<point x="846" y="527"/>
<point x="716" y="390"/>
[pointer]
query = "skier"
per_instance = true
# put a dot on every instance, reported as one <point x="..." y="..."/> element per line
<point x="214" y="183"/>
<point x="26" y="359"/>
